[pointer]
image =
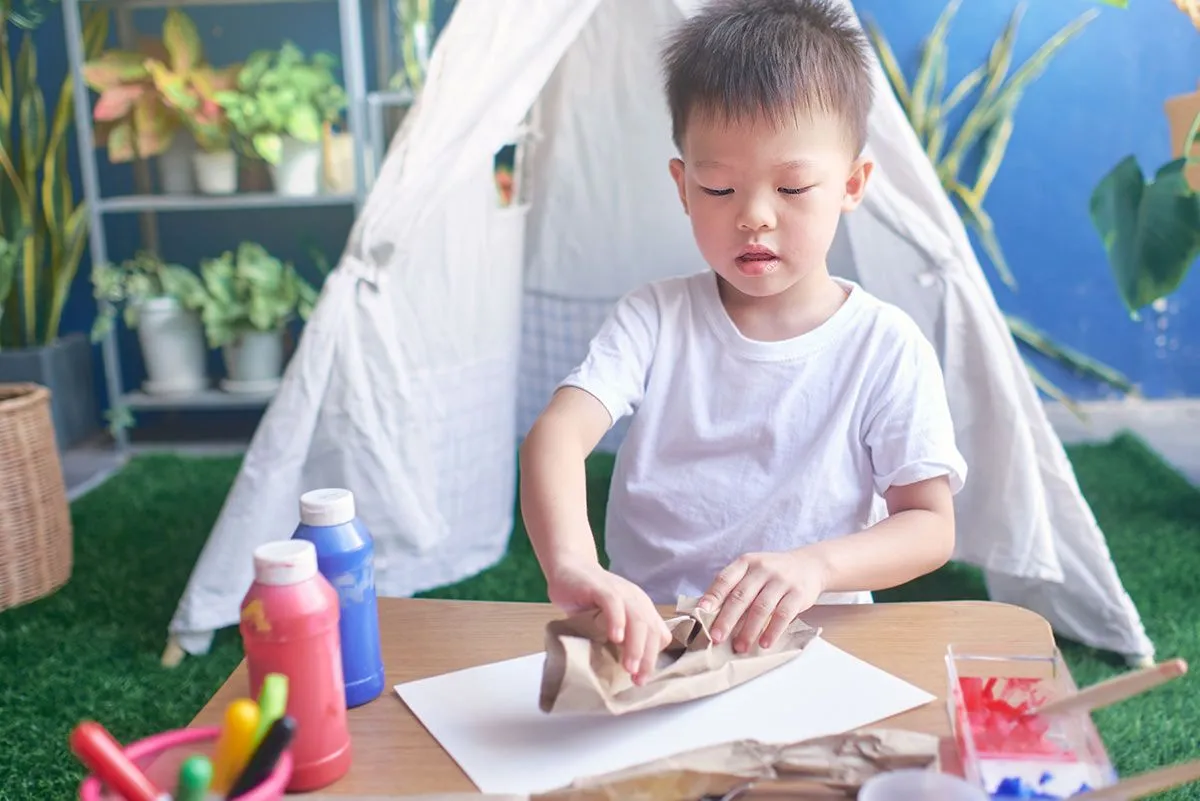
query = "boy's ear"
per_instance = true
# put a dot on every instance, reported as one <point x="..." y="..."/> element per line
<point x="677" y="173"/>
<point x="856" y="183"/>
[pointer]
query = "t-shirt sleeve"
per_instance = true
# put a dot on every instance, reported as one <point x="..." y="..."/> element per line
<point x="910" y="433"/>
<point x="619" y="355"/>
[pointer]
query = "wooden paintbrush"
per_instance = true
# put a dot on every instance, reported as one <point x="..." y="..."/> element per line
<point x="1144" y="784"/>
<point x="1115" y="689"/>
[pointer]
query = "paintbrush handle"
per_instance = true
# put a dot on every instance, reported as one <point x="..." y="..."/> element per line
<point x="1115" y="689"/>
<point x="1144" y="784"/>
<point x="787" y="788"/>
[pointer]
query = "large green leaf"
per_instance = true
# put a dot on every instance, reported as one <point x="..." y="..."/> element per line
<point x="1150" y="229"/>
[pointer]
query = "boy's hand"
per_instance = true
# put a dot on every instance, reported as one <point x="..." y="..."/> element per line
<point x="633" y="620"/>
<point x="760" y="594"/>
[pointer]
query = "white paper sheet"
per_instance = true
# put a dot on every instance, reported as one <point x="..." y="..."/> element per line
<point x="487" y="718"/>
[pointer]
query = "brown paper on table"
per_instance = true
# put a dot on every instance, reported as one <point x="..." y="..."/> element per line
<point x="824" y="767"/>
<point x="583" y="670"/>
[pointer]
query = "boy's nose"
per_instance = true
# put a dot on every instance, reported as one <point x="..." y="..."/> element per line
<point x="756" y="215"/>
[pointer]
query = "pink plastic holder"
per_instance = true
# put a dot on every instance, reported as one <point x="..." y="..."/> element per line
<point x="160" y="756"/>
<point x="1010" y="753"/>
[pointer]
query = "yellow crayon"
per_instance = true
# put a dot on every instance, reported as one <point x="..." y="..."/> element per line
<point x="235" y="744"/>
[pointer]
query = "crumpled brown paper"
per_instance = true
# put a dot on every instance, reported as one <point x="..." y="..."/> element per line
<point x="826" y="767"/>
<point x="583" y="671"/>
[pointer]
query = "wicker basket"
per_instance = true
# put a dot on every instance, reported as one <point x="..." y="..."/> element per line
<point x="35" y="520"/>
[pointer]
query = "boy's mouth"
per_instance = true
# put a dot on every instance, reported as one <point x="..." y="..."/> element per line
<point x="756" y="260"/>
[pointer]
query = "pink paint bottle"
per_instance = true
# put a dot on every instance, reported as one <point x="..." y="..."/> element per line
<point x="289" y="625"/>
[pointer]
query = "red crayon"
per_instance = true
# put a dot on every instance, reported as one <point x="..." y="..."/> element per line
<point x="102" y="754"/>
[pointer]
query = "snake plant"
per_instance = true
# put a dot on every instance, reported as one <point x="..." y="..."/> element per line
<point x="37" y="199"/>
<point x="985" y="130"/>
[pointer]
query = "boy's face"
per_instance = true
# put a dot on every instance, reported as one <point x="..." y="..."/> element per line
<point x="764" y="199"/>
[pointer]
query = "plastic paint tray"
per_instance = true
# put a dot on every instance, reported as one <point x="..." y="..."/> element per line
<point x="1011" y="756"/>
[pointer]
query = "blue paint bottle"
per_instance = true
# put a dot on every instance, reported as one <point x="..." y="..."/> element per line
<point x="345" y="556"/>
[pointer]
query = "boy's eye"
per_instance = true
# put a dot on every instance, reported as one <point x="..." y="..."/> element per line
<point x="717" y="192"/>
<point x="785" y="190"/>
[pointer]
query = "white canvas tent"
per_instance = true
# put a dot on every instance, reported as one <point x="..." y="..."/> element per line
<point x="449" y="319"/>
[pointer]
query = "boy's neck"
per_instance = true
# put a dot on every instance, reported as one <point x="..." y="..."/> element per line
<point x="797" y="310"/>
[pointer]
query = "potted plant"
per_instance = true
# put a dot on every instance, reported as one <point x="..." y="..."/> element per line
<point x="250" y="297"/>
<point x="189" y="87"/>
<point x="40" y="216"/>
<point x="131" y="118"/>
<point x="282" y="106"/>
<point x="162" y="302"/>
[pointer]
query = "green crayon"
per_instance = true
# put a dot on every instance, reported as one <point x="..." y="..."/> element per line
<point x="272" y="704"/>
<point x="194" y="776"/>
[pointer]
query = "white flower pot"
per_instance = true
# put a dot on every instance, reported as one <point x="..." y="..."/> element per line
<point x="253" y="362"/>
<point x="216" y="173"/>
<point x="173" y="348"/>
<point x="299" y="169"/>
<point x="175" y="166"/>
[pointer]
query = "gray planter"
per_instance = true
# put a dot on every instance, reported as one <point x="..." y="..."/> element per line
<point x="66" y="369"/>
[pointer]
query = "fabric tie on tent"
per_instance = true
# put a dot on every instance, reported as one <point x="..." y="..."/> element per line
<point x="449" y="320"/>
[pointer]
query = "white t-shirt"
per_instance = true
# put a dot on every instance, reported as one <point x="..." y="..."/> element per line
<point x="739" y="446"/>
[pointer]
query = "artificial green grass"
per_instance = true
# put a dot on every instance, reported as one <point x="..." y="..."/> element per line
<point x="92" y="649"/>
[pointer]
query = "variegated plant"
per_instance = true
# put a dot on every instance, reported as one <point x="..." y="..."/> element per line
<point x="189" y="86"/>
<point x="986" y="130"/>
<point x="38" y="208"/>
<point x="131" y="119"/>
<point x="251" y="291"/>
<point x="282" y="93"/>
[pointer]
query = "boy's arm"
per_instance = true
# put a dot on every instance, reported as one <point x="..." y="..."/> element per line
<point x="553" y="479"/>
<point x="917" y="537"/>
<point x="554" y="507"/>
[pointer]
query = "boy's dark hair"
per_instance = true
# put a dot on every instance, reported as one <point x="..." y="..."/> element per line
<point x="742" y="59"/>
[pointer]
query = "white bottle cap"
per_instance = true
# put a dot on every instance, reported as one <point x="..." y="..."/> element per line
<point x="327" y="507"/>
<point x="285" y="562"/>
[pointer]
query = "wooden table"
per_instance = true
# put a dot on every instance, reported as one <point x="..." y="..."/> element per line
<point x="395" y="755"/>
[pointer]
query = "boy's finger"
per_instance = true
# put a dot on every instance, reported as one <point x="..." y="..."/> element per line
<point x="785" y="612"/>
<point x="736" y="604"/>
<point x="649" y="656"/>
<point x="759" y="614"/>
<point x="635" y="645"/>
<point x="614" y="612"/>
<point x="722" y="585"/>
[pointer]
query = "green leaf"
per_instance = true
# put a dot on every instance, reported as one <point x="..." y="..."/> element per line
<point x="891" y="67"/>
<point x="269" y="146"/>
<point x="933" y="62"/>
<point x="10" y="255"/>
<point x="305" y="124"/>
<point x="1050" y="388"/>
<point x="1150" y="230"/>
<point x="182" y="41"/>
<point x="994" y="148"/>
<point x="1079" y="362"/>
<point x="975" y="216"/>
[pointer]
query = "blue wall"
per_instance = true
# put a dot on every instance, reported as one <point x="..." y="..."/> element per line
<point x="1100" y="99"/>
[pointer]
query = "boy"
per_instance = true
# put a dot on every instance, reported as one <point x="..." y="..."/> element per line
<point x="775" y="407"/>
